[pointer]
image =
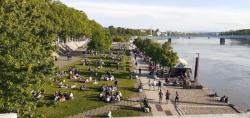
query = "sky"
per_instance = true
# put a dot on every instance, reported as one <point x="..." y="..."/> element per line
<point x="168" y="15"/>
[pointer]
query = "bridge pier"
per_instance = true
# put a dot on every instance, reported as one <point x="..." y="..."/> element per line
<point x="169" y="40"/>
<point x="222" y="41"/>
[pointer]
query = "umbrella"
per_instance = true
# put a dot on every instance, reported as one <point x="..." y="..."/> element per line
<point x="181" y="63"/>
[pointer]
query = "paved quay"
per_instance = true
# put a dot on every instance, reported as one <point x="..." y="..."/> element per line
<point x="201" y="116"/>
<point x="192" y="101"/>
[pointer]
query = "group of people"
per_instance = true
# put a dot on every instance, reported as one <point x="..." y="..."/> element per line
<point x="58" y="96"/>
<point x="110" y="93"/>
<point x="155" y="84"/>
<point x="61" y="74"/>
<point x="85" y="61"/>
<point x="82" y="80"/>
<point x="167" y="96"/>
<point x="61" y="84"/>
<point x="73" y="73"/>
<point x="37" y="94"/>
<point x="224" y="99"/>
<point x="108" y="76"/>
<point x="83" y="88"/>
<point x="99" y="63"/>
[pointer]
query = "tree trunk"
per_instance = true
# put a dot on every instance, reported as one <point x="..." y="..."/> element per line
<point x="169" y="73"/>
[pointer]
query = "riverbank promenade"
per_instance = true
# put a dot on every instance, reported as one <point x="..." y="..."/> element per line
<point x="191" y="101"/>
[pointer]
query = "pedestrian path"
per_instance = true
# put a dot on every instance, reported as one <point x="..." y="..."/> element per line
<point x="192" y="101"/>
<point x="64" y="61"/>
<point x="158" y="109"/>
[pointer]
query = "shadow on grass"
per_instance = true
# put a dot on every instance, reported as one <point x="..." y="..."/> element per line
<point x="122" y="75"/>
<point x="130" y="89"/>
<point x="131" y="108"/>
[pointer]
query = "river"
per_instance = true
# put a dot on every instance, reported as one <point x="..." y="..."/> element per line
<point x="223" y="68"/>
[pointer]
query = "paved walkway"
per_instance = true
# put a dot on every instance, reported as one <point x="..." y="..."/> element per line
<point x="192" y="101"/>
<point x="63" y="61"/>
<point x="158" y="109"/>
<point x="201" y="116"/>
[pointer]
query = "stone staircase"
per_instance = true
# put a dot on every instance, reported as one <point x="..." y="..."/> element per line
<point x="105" y="109"/>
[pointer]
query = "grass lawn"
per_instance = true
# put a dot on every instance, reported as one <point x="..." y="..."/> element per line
<point x="84" y="101"/>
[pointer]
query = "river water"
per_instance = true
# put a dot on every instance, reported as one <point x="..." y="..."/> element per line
<point x="223" y="68"/>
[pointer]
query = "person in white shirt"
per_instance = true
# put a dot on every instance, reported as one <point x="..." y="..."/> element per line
<point x="154" y="84"/>
<point x="109" y="114"/>
<point x="71" y="96"/>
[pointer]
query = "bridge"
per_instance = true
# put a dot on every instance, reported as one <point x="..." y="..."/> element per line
<point x="241" y="37"/>
<point x="221" y="37"/>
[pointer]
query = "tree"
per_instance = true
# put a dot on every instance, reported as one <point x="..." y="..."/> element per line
<point x="169" y="57"/>
<point x="28" y="29"/>
<point x="121" y="34"/>
<point x="160" y="54"/>
<point x="26" y="36"/>
<point x="100" y="40"/>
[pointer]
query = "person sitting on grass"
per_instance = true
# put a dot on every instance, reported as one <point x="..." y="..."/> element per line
<point x="120" y="93"/>
<point x="83" y="88"/>
<point x="62" y="98"/>
<point x="118" y="98"/>
<point x="101" y="96"/>
<point x="95" y="82"/>
<point x="66" y="96"/>
<point x="103" y="88"/>
<point x="108" y="98"/>
<point x="81" y="80"/>
<point x="36" y="94"/>
<point x="90" y="78"/>
<point x="113" y="98"/>
<point x="73" y="86"/>
<point x="116" y="83"/>
<point x="71" y="96"/>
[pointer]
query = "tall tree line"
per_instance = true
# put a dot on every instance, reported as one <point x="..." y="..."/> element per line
<point x="237" y="32"/>
<point x="120" y="34"/>
<point x="159" y="54"/>
<point x="28" y="29"/>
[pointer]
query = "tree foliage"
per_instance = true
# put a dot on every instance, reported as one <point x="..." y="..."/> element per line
<point x="237" y="32"/>
<point x="120" y="34"/>
<point x="161" y="54"/>
<point x="28" y="29"/>
<point x="100" y="40"/>
<point x="26" y="36"/>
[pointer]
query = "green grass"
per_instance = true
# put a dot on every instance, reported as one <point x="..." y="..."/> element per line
<point x="84" y="101"/>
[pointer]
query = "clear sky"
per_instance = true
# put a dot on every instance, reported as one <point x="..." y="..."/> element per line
<point x="174" y="15"/>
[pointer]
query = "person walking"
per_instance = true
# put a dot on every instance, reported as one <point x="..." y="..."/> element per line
<point x="139" y="71"/>
<point x="160" y="96"/>
<point x="167" y="96"/>
<point x="149" y="85"/>
<point x="176" y="97"/>
<point x="159" y="85"/>
<point x="154" y="84"/>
